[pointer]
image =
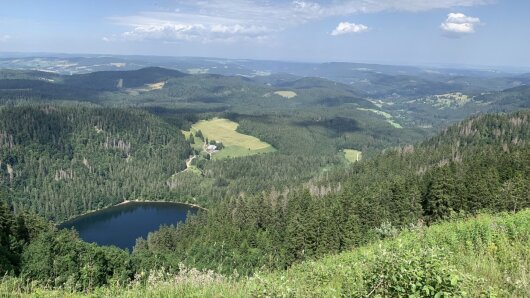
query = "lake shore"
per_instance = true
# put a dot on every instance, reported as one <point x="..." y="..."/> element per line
<point x="124" y="203"/>
<point x="142" y="201"/>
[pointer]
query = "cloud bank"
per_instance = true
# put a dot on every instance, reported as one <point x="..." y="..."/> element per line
<point x="236" y="20"/>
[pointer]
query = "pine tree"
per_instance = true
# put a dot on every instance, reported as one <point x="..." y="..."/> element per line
<point x="439" y="197"/>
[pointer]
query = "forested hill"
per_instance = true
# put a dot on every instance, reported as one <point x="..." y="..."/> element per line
<point x="110" y="80"/>
<point x="507" y="100"/>
<point x="61" y="161"/>
<point x="478" y="165"/>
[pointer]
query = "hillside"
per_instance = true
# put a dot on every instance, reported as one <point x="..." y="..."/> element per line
<point x="482" y="256"/>
<point x="476" y="166"/>
<point x="507" y="100"/>
<point x="114" y="80"/>
<point x="324" y="118"/>
<point x="471" y="167"/>
<point x="61" y="161"/>
<point x="420" y="101"/>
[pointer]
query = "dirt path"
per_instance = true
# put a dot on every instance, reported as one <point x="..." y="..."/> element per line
<point x="188" y="162"/>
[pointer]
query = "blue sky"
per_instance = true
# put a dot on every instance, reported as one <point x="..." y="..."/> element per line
<point x="455" y="32"/>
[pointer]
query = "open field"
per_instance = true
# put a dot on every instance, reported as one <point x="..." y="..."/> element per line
<point x="236" y="144"/>
<point x="146" y="88"/>
<point x="286" y="94"/>
<point x="352" y="155"/>
<point x="388" y="117"/>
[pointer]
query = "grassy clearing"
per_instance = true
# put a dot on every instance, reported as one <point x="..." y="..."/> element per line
<point x="352" y="155"/>
<point x="197" y="142"/>
<point x="146" y="88"/>
<point x="393" y="123"/>
<point x="186" y="133"/>
<point x="286" y="94"/>
<point x="388" y="117"/>
<point x="486" y="256"/>
<point x="193" y="169"/>
<point x="236" y="144"/>
<point x="384" y="114"/>
<point x="155" y="86"/>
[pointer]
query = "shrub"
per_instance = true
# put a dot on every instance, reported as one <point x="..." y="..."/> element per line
<point x="402" y="272"/>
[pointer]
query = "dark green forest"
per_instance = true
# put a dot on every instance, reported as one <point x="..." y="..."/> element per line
<point x="61" y="161"/>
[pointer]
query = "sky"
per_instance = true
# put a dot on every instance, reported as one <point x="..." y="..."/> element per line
<point x="413" y="32"/>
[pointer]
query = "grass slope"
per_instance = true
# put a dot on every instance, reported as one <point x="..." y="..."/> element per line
<point x="486" y="256"/>
<point x="236" y="144"/>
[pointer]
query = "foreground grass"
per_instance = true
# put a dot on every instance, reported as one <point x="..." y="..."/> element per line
<point x="487" y="256"/>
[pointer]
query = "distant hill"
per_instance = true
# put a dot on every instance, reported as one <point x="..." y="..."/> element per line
<point x="507" y="100"/>
<point x="114" y="80"/>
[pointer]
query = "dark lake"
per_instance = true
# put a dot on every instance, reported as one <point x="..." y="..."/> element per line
<point x="122" y="225"/>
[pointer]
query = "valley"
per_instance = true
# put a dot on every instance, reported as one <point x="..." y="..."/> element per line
<point x="265" y="149"/>
<point x="300" y="177"/>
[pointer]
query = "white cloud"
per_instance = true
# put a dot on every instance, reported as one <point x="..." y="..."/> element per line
<point x="458" y="24"/>
<point x="202" y="32"/>
<point x="5" y="38"/>
<point x="221" y="20"/>
<point x="345" y="7"/>
<point x="345" y="28"/>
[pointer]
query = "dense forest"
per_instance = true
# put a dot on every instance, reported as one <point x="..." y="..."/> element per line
<point x="402" y="188"/>
<point x="309" y="131"/>
<point x="480" y="165"/>
<point x="60" y="161"/>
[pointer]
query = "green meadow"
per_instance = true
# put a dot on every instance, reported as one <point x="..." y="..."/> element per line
<point x="352" y="155"/>
<point x="236" y="144"/>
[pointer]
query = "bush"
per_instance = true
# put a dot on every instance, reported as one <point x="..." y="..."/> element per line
<point x="403" y="272"/>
